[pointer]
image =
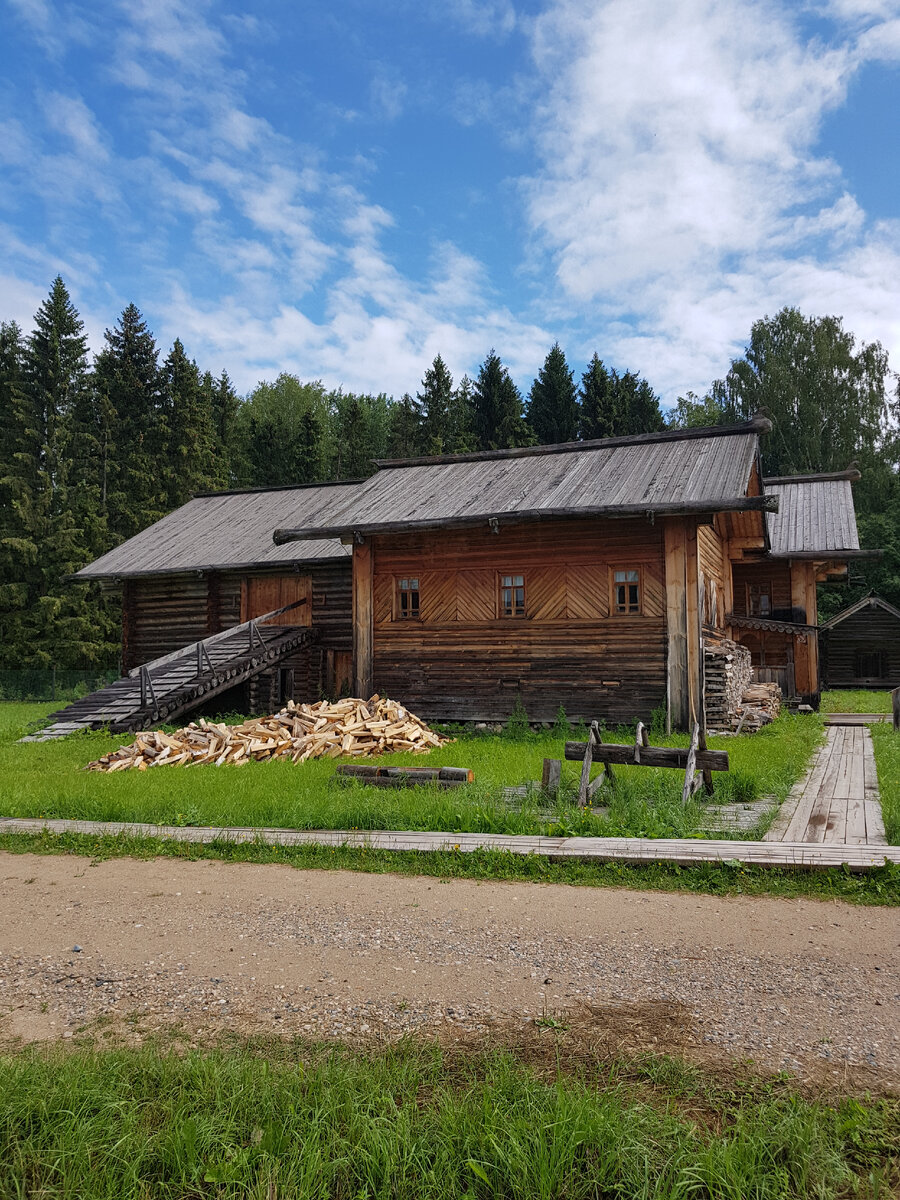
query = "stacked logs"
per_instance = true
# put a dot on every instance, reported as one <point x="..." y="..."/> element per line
<point x="299" y="732"/>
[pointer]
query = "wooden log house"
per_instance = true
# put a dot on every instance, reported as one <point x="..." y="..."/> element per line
<point x="588" y="574"/>
<point x="861" y="646"/>
<point x="585" y="574"/>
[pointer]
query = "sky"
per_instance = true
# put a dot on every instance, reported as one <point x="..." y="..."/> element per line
<point x="344" y="190"/>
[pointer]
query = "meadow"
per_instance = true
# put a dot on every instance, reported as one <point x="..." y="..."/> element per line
<point x="49" y="780"/>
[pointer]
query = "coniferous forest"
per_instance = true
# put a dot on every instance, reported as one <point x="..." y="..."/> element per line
<point x="91" y="452"/>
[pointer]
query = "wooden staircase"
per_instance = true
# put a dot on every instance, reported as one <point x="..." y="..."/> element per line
<point x="162" y="690"/>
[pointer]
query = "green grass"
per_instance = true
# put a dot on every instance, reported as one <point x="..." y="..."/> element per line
<point x="47" y="780"/>
<point x="415" y="1122"/>
<point x="730" y="878"/>
<point x="887" y="760"/>
<point x="856" y="702"/>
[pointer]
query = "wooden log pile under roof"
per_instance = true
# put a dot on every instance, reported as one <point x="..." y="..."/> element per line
<point x="351" y="728"/>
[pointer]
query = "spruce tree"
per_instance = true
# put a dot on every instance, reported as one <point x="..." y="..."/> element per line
<point x="191" y="457"/>
<point x="65" y="625"/>
<point x="19" y="455"/>
<point x="126" y="376"/>
<point x="282" y="434"/>
<point x="553" y="406"/>
<point x="405" y="432"/>
<point x="461" y="437"/>
<point x="598" y="415"/>
<point x="224" y="404"/>
<point x="436" y="399"/>
<point x="637" y="405"/>
<point x="498" y="407"/>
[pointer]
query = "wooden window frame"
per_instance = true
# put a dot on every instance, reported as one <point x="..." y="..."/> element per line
<point x="502" y="614"/>
<point x="613" y="584"/>
<point x="769" y="589"/>
<point x="400" y="591"/>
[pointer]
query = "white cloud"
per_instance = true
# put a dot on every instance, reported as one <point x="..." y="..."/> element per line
<point x="483" y="18"/>
<point x="681" y="191"/>
<point x="70" y="116"/>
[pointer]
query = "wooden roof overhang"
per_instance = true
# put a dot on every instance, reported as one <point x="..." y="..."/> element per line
<point x="768" y="625"/>
<point x="699" y="508"/>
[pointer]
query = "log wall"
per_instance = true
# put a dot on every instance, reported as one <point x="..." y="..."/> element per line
<point x="868" y="638"/>
<point x="163" y="613"/>
<point x="463" y="661"/>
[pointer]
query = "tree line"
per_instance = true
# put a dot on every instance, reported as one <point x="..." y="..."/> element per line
<point x="93" y="452"/>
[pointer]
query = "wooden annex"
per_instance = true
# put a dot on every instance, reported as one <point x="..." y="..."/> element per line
<point x="861" y="646"/>
<point x="591" y="575"/>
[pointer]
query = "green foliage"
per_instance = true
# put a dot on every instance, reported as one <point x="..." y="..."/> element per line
<point x="850" y="701"/>
<point x="282" y="434"/>
<point x="562" y="726"/>
<point x="552" y="402"/>
<point x="406" y="435"/>
<point x="436" y="403"/>
<point x="517" y="726"/>
<point x="498" y="420"/>
<point x="613" y="405"/>
<point x="887" y="761"/>
<point x="415" y="1121"/>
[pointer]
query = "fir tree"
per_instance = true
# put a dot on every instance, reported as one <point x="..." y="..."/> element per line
<point x="638" y="406"/>
<point x="405" y="433"/>
<point x="552" y="403"/>
<point x="598" y="415"/>
<point x="436" y="399"/>
<point x="461" y="438"/>
<point x="498" y="407"/>
<point x="224" y="405"/>
<point x="19" y="455"/>
<point x="126" y="376"/>
<point x="191" y="457"/>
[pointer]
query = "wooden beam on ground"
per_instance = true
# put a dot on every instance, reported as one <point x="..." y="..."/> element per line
<point x="651" y="756"/>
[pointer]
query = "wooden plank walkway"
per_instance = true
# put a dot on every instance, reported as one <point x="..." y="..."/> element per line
<point x="685" y="852"/>
<point x="856" y="718"/>
<point x="837" y="802"/>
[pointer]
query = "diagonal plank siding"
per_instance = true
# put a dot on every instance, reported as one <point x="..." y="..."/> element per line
<point x="463" y="661"/>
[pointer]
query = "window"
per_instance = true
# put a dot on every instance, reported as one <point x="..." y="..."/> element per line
<point x="512" y="595"/>
<point x="872" y="664"/>
<point x="626" y="592"/>
<point x="759" y="599"/>
<point x="408" y="599"/>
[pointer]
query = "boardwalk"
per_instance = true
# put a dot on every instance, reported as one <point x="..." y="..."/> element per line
<point x="837" y="801"/>
<point x="685" y="852"/>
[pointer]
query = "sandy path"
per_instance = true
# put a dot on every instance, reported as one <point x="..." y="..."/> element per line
<point x="797" y="984"/>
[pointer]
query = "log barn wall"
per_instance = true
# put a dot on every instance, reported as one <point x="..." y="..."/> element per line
<point x="461" y="660"/>
<point x="714" y="566"/>
<point x="166" y="612"/>
<point x="862" y="641"/>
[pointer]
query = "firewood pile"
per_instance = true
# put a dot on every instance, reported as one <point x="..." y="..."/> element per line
<point x="351" y="728"/>
<point x="760" y="704"/>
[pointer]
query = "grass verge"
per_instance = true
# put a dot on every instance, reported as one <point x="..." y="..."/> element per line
<point x="879" y="887"/>
<point x="887" y="760"/>
<point x="856" y="702"/>
<point x="47" y="780"/>
<point x="417" y="1121"/>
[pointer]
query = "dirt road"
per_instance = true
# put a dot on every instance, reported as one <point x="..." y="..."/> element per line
<point x="813" y="987"/>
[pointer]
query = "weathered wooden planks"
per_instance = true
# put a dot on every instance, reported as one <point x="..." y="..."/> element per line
<point x="651" y="756"/>
<point x="837" y="801"/>
<point x="687" y="852"/>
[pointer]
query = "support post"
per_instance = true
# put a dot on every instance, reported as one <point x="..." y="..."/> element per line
<point x="684" y="678"/>
<point x="363" y="619"/>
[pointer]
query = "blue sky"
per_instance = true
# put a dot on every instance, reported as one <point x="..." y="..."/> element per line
<point x="345" y="190"/>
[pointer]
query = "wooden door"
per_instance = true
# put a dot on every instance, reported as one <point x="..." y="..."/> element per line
<point x="264" y="593"/>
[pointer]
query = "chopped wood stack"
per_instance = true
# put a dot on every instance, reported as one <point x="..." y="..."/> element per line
<point x="760" y="704"/>
<point x="727" y="675"/>
<point x="349" y="728"/>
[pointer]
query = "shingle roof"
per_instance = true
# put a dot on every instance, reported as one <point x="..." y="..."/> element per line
<point x="705" y="470"/>
<point x="815" y="516"/>
<point x="866" y="603"/>
<point x="224" y="531"/>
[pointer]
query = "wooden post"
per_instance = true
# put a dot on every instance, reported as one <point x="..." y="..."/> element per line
<point x="363" y="619"/>
<point x="805" y="652"/>
<point x="690" y="782"/>
<point x="586" y="767"/>
<point x="895" y="702"/>
<point x="551" y="775"/>
<point x="640" y="740"/>
<point x="677" y="692"/>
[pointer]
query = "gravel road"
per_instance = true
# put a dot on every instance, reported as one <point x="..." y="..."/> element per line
<point x="808" y="986"/>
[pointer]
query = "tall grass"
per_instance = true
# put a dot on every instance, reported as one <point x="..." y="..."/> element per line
<point x="887" y="759"/>
<point x="47" y="780"/>
<point x="415" y="1122"/>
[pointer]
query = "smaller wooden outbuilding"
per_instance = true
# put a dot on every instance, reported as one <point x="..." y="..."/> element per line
<point x="861" y="646"/>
